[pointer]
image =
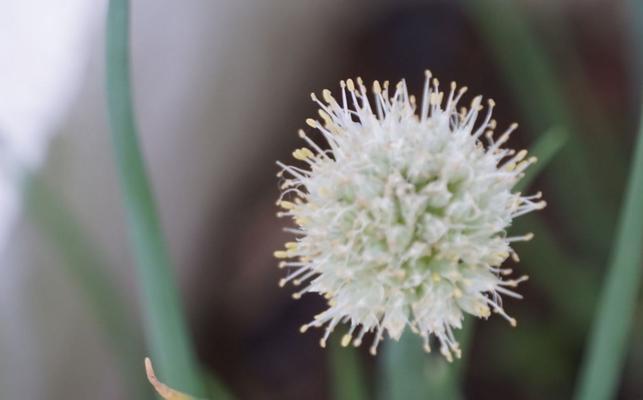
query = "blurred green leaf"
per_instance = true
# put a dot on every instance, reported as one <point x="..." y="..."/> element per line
<point x="548" y="145"/>
<point x="609" y="335"/>
<point x="524" y="63"/>
<point x="86" y="265"/>
<point x="166" y="328"/>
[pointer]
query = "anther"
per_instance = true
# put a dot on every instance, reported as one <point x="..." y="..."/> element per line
<point x="280" y="254"/>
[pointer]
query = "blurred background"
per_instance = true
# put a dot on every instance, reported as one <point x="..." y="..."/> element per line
<point x="221" y="88"/>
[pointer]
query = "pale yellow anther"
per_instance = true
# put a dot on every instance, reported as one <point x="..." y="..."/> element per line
<point x="291" y="245"/>
<point x="296" y="296"/>
<point x="350" y="85"/>
<point x="529" y="236"/>
<point x="286" y="205"/>
<point x="427" y="74"/>
<point x="324" y="115"/>
<point x="521" y="154"/>
<point x="484" y="311"/>
<point x="328" y="97"/>
<point x="303" y="328"/>
<point x="513" y="322"/>
<point x="377" y="88"/>
<point x="322" y="343"/>
<point x="436" y="277"/>
<point x="312" y="123"/>
<point x="491" y="103"/>
<point x="313" y="96"/>
<point x="282" y="264"/>
<point x="303" y="154"/>
<point x="282" y="282"/>
<point x="280" y="254"/>
<point x="346" y="340"/>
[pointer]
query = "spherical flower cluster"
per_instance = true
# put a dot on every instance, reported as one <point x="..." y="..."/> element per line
<point x="402" y="219"/>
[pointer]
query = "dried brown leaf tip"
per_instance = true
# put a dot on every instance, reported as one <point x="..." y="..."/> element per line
<point x="162" y="389"/>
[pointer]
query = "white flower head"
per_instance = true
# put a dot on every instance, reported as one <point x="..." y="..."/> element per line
<point x="402" y="221"/>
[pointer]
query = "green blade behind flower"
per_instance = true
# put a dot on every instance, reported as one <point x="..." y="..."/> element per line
<point x="522" y="60"/>
<point x="85" y="264"/>
<point x="610" y="331"/>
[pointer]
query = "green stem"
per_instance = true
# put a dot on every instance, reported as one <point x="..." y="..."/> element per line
<point x="609" y="335"/>
<point x="165" y="324"/>
<point x="348" y="378"/>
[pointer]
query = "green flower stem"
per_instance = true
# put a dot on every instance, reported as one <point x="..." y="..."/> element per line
<point x="165" y="326"/>
<point x="348" y="377"/>
<point x="609" y="335"/>
<point x="86" y="265"/>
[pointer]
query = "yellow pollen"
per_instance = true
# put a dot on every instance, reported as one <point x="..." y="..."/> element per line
<point x="280" y="254"/>
<point x="328" y="97"/>
<point x="377" y="89"/>
<point x="286" y="205"/>
<point x="350" y="85"/>
<point x="303" y="153"/>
